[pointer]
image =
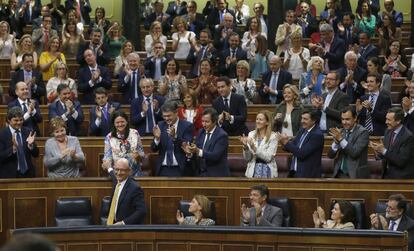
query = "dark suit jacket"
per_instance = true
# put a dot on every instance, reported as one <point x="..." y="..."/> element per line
<point x="409" y="122"/>
<point x="221" y="43"/>
<point x="173" y="10"/>
<point x="230" y="70"/>
<point x="35" y="12"/>
<point x="150" y="66"/>
<point x="192" y="60"/>
<point x="84" y="75"/>
<point x="333" y="111"/>
<point x="128" y="88"/>
<point x="378" y="113"/>
<point x="355" y="152"/>
<point x="140" y="122"/>
<point x="336" y="53"/>
<point x="184" y="133"/>
<point x="85" y="8"/>
<point x="312" y="26"/>
<point x="8" y="159"/>
<point x="102" y="59"/>
<point x="309" y="155"/>
<point x="37" y="93"/>
<point x="399" y="163"/>
<point x="214" y="18"/>
<point x="131" y="207"/>
<point x="238" y="109"/>
<point x="272" y="216"/>
<point x="73" y="125"/>
<point x="360" y="74"/>
<point x="197" y="25"/>
<point x="407" y="224"/>
<point x="369" y="52"/>
<point x="32" y="121"/>
<point x="214" y="160"/>
<point x="349" y="39"/>
<point x="166" y="26"/>
<point x="105" y="126"/>
<point x="284" y="78"/>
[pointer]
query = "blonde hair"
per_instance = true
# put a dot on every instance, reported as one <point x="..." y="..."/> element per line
<point x="56" y="123"/>
<point x="205" y="205"/>
<point x="295" y="91"/>
<point x="269" y="118"/>
<point x="20" y="44"/>
<point x="179" y="20"/>
<point x="245" y="65"/>
<point x="312" y="61"/>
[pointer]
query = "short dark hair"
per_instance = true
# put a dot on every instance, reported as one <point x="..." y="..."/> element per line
<point x="350" y="14"/>
<point x="337" y="75"/>
<point x="45" y="16"/>
<point x="377" y="76"/>
<point x="29" y="242"/>
<point x="349" y="109"/>
<point x="97" y="30"/>
<point x="347" y="210"/>
<point x="366" y="33"/>
<point x="116" y="114"/>
<point x="100" y="90"/>
<point x="234" y="34"/>
<point x="25" y="55"/>
<point x="14" y="112"/>
<point x="177" y="65"/>
<point x="61" y="87"/>
<point x="314" y="114"/>
<point x="398" y="113"/>
<point x="213" y="114"/>
<point x="224" y="79"/>
<point x="169" y="106"/>
<point x="206" y="31"/>
<point x="263" y="190"/>
<point x="401" y="201"/>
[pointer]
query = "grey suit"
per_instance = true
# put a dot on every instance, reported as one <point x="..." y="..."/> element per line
<point x="355" y="152"/>
<point x="38" y="39"/>
<point x="272" y="216"/>
<point x="333" y="110"/>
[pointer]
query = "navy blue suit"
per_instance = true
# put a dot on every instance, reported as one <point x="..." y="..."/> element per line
<point x="105" y="126"/>
<point x="73" y="125"/>
<point x="369" y="52"/>
<point x="8" y="159"/>
<point x="32" y="121"/>
<point x="409" y="122"/>
<point x="84" y="75"/>
<point x="131" y="207"/>
<point x="166" y="26"/>
<point x="139" y="122"/>
<point x="359" y="75"/>
<point x="183" y="133"/>
<point x="378" y="113"/>
<point x="213" y="18"/>
<point x="194" y="59"/>
<point x="214" y="160"/>
<point x="102" y="59"/>
<point x="336" y="53"/>
<point x="37" y="93"/>
<point x="150" y="66"/>
<point x="284" y="78"/>
<point x="238" y="109"/>
<point x="309" y="155"/>
<point x="128" y="88"/>
<point x="230" y="70"/>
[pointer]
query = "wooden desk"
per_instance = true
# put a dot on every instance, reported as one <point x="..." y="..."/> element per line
<point x="178" y="238"/>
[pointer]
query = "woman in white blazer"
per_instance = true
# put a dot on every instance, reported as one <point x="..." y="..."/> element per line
<point x="259" y="148"/>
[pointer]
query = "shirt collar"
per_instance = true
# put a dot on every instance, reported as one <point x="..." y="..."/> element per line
<point x="310" y="129"/>
<point x="93" y="68"/>
<point x="397" y="131"/>
<point x="21" y="101"/>
<point x="227" y="97"/>
<point x="212" y="130"/>
<point x="276" y="72"/>
<point x="12" y="130"/>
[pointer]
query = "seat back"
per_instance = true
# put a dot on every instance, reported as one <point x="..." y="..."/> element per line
<point x="73" y="212"/>
<point x="359" y="211"/>
<point x="381" y="207"/>
<point x="286" y="206"/>
<point x="184" y="205"/>
<point x="105" y="206"/>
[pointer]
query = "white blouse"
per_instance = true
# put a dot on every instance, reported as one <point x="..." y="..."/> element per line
<point x="184" y="44"/>
<point x="295" y="64"/>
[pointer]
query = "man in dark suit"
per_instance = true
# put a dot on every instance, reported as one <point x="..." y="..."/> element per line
<point x="127" y="199"/>
<point x="350" y="147"/>
<point x="145" y="110"/>
<point x="373" y="106"/>
<point x="351" y="77"/>
<point x="82" y="7"/>
<point x="128" y="82"/>
<point x="17" y="147"/>
<point x="261" y="213"/>
<point x="100" y="115"/>
<point x="271" y="89"/>
<point x="37" y="21"/>
<point x="395" y="218"/>
<point x="407" y="104"/>
<point x="306" y="20"/>
<point x="169" y="136"/>
<point x="176" y="8"/>
<point x="346" y="30"/>
<point x="330" y="103"/>
<point x="223" y="33"/>
<point x="195" y="21"/>
<point x="99" y="49"/>
<point x="396" y="148"/>
<point x="30" y="108"/>
<point x="365" y="50"/>
<point x="230" y="56"/>
<point x="155" y="66"/>
<point x="332" y="49"/>
<point x="231" y="107"/>
<point x="204" y="50"/>
<point x="32" y="78"/>
<point x="70" y="111"/>
<point x="159" y="16"/>
<point x="91" y="77"/>
<point x="210" y="149"/>
<point x="306" y="147"/>
<point x="215" y="19"/>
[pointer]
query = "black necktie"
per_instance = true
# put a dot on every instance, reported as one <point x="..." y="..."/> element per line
<point x="207" y="139"/>
<point x="226" y="104"/>
<point x="24" y="107"/>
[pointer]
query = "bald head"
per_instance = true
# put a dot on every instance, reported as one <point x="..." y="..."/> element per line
<point x="122" y="169"/>
<point x="275" y="62"/>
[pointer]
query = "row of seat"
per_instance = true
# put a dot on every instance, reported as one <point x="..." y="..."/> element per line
<point x="78" y="211"/>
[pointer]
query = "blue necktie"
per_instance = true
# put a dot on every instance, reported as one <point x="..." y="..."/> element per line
<point x="24" y="107"/>
<point x="20" y="154"/>
<point x="392" y="225"/>
<point x="170" y="151"/>
<point x="150" y="116"/>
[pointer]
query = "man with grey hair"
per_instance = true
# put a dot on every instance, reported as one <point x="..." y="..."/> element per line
<point x="351" y="76"/>
<point x="331" y="49"/>
<point x="223" y="33"/>
<point x="128" y="81"/>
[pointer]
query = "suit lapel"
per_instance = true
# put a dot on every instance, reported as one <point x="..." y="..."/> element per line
<point x="124" y="191"/>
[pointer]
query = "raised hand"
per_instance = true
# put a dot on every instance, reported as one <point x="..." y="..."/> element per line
<point x="245" y="213"/>
<point x="180" y="217"/>
<point x="31" y="138"/>
<point x="98" y="112"/>
<point x="156" y="132"/>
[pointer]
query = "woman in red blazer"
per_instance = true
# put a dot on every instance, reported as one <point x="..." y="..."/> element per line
<point x="191" y="111"/>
